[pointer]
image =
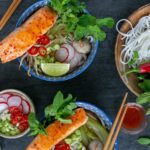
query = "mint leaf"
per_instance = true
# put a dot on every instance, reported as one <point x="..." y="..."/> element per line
<point x="33" y="122"/>
<point x="61" y="108"/>
<point x="35" y="126"/>
<point x="58" y="100"/>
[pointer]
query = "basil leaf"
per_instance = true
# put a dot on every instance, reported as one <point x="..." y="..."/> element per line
<point x="144" y="141"/>
<point x="143" y="98"/>
<point x="145" y="85"/>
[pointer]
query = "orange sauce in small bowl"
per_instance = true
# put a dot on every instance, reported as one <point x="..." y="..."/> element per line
<point x="135" y="119"/>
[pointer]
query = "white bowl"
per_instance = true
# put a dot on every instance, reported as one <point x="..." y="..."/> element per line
<point x="22" y="94"/>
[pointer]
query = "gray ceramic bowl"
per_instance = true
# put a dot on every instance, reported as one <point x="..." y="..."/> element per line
<point x="22" y="94"/>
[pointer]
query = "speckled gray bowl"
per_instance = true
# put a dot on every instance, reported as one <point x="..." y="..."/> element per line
<point x="106" y="121"/>
<point x="22" y="94"/>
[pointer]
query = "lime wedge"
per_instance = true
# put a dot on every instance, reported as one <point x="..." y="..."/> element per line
<point x="55" y="69"/>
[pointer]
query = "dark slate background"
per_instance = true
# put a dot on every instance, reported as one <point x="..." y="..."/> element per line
<point x="100" y="84"/>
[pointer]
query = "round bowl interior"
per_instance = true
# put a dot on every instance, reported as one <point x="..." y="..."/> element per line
<point x="71" y="75"/>
<point x="26" y="97"/>
<point x="100" y="114"/>
<point x="130" y="80"/>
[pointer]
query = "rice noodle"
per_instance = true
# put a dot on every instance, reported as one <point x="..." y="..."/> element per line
<point x="136" y="39"/>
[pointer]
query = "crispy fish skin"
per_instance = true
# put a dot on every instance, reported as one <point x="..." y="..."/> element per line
<point x="58" y="131"/>
<point x="20" y="40"/>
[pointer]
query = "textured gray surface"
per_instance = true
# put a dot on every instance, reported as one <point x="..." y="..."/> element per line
<point x="99" y="85"/>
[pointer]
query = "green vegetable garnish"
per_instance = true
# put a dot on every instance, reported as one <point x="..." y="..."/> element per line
<point x="134" y="58"/>
<point x="144" y="141"/>
<point x="144" y="99"/>
<point x="60" y="110"/>
<point x="35" y="126"/>
<point x="145" y="85"/>
<point x="73" y="19"/>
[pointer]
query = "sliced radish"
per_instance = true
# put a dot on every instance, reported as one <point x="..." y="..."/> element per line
<point x="21" y="107"/>
<point x="3" y="100"/>
<point x="14" y="101"/>
<point x="5" y="95"/>
<point x="26" y="107"/>
<point x="75" y="61"/>
<point x="70" y="50"/>
<point x="3" y="106"/>
<point x="62" y="54"/>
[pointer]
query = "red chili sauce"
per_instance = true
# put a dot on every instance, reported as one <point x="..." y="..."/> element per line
<point x="134" y="117"/>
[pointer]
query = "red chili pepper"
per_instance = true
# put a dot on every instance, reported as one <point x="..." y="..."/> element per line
<point x="23" y="126"/>
<point x="43" y="40"/>
<point x="143" y="68"/>
<point x="42" y="51"/>
<point x="33" y="51"/>
<point x="62" y="146"/>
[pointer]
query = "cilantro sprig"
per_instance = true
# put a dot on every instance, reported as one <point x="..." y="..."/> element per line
<point x="72" y="14"/>
<point x="60" y="109"/>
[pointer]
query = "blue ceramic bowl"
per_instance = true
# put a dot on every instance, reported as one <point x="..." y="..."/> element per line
<point x="71" y="75"/>
<point x="100" y="114"/>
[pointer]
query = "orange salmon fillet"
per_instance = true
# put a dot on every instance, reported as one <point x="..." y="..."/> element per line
<point x="58" y="131"/>
<point x="20" y="40"/>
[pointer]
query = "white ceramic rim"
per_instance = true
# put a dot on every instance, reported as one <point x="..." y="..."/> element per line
<point x="32" y="110"/>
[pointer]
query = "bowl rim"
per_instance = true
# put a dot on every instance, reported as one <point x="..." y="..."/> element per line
<point x="100" y="114"/>
<point x="32" y="110"/>
<point x="69" y="76"/>
<point x="116" y="50"/>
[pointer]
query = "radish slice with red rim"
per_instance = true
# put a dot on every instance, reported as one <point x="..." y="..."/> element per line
<point x="3" y="106"/>
<point x="75" y="61"/>
<point x="14" y="101"/>
<point x="21" y="107"/>
<point x="62" y="54"/>
<point x="70" y="50"/>
<point x="26" y="107"/>
<point x="3" y="100"/>
<point x="5" y="96"/>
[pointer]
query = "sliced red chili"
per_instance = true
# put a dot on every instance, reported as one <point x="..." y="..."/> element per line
<point x="23" y="126"/>
<point x="43" y="40"/>
<point x="14" y="110"/>
<point x="24" y="119"/>
<point x="62" y="146"/>
<point x="42" y="51"/>
<point x="33" y="50"/>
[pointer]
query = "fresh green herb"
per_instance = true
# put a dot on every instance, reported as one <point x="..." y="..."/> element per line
<point x="144" y="141"/>
<point x="144" y="99"/>
<point x="35" y="126"/>
<point x="134" y="58"/>
<point x="145" y="85"/>
<point x="60" y="109"/>
<point x="72" y="14"/>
